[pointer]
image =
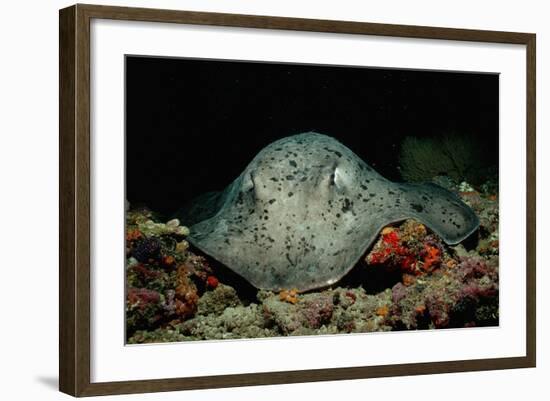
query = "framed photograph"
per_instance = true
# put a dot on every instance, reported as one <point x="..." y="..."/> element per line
<point x="250" y="200"/>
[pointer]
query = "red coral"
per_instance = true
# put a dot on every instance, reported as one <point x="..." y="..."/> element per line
<point x="408" y="263"/>
<point x="391" y="238"/>
<point x="212" y="282"/>
<point x="391" y="251"/>
<point x="432" y="257"/>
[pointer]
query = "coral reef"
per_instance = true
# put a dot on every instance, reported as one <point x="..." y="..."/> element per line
<point x="457" y="156"/>
<point x="176" y="294"/>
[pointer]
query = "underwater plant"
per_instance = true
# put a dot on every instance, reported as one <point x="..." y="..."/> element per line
<point x="458" y="156"/>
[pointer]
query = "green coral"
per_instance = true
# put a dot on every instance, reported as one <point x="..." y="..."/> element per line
<point x="457" y="156"/>
<point x="216" y="301"/>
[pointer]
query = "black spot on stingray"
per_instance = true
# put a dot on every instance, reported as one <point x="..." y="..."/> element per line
<point x="372" y="195"/>
<point x="290" y="177"/>
<point x="292" y="163"/>
<point x="333" y="151"/>
<point x="337" y="214"/>
<point x="274" y="179"/>
<point x="347" y="205"/>
<point x="290" y="194"/>
<point x="417" y="207"/>
<point x="272" y="201"/>
<point x="288" y="258"/>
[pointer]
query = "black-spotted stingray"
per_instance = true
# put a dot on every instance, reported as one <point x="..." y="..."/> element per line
<point x="306" y="209"/>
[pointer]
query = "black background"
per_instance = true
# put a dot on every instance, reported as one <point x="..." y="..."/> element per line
<point x="193" y="125"/>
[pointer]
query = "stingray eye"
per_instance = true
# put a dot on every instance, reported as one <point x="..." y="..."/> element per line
<point x="336" y="179"/>
<point x="331" y="179"/>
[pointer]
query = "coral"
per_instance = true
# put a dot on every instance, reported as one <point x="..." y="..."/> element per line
<point x="382" y="310"/>
<point x="390" y="250"/>
<point x="142" y="297"/>
<point x="285" y="316"/>
<point x="232" y="322"/>
<point x="432" y="257"/>
<point x="199" y="267"/>
<point x="160" y="335"/>
<point x="214" y="302"/>
<point x="133" y="235"/>
<point x="317" y="310"/>
<point x="463" y="294"/>
<point x="168" y="261"/>
<point x="407" y="248"/>
<point x="147" y="249"/>
<point x="182" y="247"/>
<point x="399" y="291"/>
<point x="143" y="308"/>
<point x="212" y="282"/>
<point x="290" y="296"/>
<point x="152" y="228"/>
<point x="186" y="297"/>
<point x="457" y="156"/>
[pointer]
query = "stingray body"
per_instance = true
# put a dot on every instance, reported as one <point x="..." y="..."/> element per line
<point x="307" y="208"/>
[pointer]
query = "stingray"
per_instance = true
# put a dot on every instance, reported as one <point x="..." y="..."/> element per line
<point x="306" y="209"/>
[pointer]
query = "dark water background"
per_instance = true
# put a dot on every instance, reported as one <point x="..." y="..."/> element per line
<point x="193" y="125"/>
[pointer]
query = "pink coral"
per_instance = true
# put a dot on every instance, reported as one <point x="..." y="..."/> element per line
<point x="142" y="297"/>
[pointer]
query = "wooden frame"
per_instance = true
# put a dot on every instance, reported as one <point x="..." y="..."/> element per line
<point x="74" y="295"/>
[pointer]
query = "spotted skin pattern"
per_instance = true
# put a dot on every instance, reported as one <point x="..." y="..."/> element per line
<point x="306" y="209"/>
